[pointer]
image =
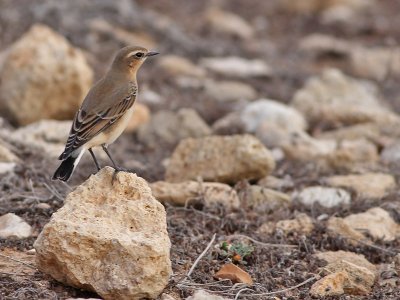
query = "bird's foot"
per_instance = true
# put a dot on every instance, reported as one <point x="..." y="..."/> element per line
<point x="117" y="170"/>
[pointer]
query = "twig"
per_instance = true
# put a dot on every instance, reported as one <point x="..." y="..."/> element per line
<point x="260" y="243"/>
<point x="374" y="246"/>
<point x="19" y="261"/>
<point x="54" y="192"/>
<point x="13" y="274"/>
<point x="201" y="255"/>
<point x="279" y="291"/>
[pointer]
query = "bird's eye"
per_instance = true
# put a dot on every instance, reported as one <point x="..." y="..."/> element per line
<point x="139" y="54"/>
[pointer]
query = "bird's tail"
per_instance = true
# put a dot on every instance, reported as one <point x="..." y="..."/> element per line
<point x="67" y="166"/>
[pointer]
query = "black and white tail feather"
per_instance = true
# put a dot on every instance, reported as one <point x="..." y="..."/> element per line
<point x="67" y="166"/>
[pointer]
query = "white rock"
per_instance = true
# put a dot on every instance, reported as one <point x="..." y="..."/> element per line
<point x="266" y="110"/>
<point x="334" y="98"/>
<point x="43" y="77"/>
<point x="203" y="295"/>
<point x="6" y="167"/>
<point x="225" y="159"/>
<point x="237" y="67"/>
<point x="229" y="23"/>
<point x="108" y="238"/>
<point x="13" y="226"/>
<point x="324" y="196"/>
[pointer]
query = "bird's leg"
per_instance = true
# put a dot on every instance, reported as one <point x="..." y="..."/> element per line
<point x="94" y="159"/>
<point x="116" y="168"/>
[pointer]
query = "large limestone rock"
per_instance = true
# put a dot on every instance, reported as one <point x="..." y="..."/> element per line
<point x="334" y="98"/>
<point x="220" y="158"/>
<point x="43" y="77"/>
<point x="108" y="238"/>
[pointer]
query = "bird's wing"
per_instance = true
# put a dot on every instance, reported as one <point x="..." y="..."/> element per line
<point x="91" y="120"/>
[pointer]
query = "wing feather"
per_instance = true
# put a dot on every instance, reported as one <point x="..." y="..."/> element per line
<point x="87" y="125"/>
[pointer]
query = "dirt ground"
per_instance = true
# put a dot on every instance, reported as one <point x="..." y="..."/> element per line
<point x="272" y="268"/>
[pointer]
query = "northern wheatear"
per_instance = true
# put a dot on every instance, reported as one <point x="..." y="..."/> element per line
<point x="105" y="112"/>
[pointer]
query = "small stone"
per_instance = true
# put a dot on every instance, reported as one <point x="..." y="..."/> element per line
<point x="48" y="136"/>
<point x="43" y="206"/>
<point x="376" y="222"/>
<point x="225" y="159"/>
<point x="324" y="196"/>
<point x="390" y="155"/>
<point x="229" y="124"/>
<point x="331" y="257"/>
<point x="301" y="223"/>
<point x="43" y="77"/>
<point x="276" y="183"/>
<point x="334" y="98"/>
<point x="237" y="67"/>
<point x="7" y="167"/>
<point x="229" y="23"/>
<point x="349" y="273"/>
<point x="265" y="200"/>
<point x="338" y="227"/>
<point x="369" y="131"/>
<point x="330" y="285"/>
<point x="369" y="185"/>
<point x="167" y="297"/>
<point x="322" y="44"/>
<point x="13" y="226"/>
<point x="360" y="279"/>
<point x="110" y="238"/>
<point x="274" y="112"/>
<point x="210" y="192"/>
<point x="203" y="295"/>
<point x="168" y="128"/>
<point x="226" y="91"/>
<point x="375" y="63"/>
<point x="234" y="273"/>
<point x="140" y="116"/>
<point x="6" y="155"/>
<point x="180" y="66"/>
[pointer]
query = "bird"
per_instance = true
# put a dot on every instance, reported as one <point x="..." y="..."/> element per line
<point x="105" y="111"/>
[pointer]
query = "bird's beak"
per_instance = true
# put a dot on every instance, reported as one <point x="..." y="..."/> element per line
<point x="151" y="53"/>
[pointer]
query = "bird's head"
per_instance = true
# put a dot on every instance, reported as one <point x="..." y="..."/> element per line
<point x="129" y="59"/>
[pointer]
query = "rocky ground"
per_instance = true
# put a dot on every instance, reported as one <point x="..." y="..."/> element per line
<point x="269" y="130"/>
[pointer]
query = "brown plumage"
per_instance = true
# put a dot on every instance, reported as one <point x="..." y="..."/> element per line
<point x="105" y="111"/>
